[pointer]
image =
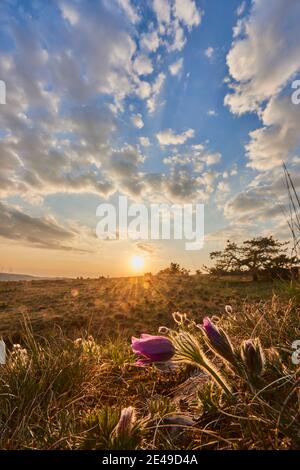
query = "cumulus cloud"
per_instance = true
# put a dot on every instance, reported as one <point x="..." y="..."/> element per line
<point x="187" y="12"/>
<point x="168" y="137"/>
<point x="129" y="10"/>
<point x="157" y="86"/>
<point x="40" y="232"/>
<point x="278" y="139"/>
<point x="150" y="41"/>
<point x="196" y="157"/>
<point x="262" y="62"/>
<point x="176" y="67"/>
<point x="241" y="8"/>
<point x="162" y="9"/>
<point x="266" y="56"/>
<point x="212" y="112"/>
<point x="43" y="150"/>
<point x="209" y="52"/>
<point x="178" y="39"/>
<point x="143" y="65"/>
<point x="138" y="121"/>
<point x="59" y="124"/>
<point x="69" y="13"/>
<point x="145" y="142"/>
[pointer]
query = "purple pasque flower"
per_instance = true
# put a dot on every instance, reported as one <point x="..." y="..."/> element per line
<point x="126" y="421"/>
<point x="152" y="348"/>
<point x="218" y="340"/>
<point x="253" y="357"/>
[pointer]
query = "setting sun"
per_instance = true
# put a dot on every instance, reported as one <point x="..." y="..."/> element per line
<point x="137" y="262"/>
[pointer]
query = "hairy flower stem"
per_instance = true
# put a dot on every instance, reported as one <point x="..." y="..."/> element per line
<point x="188" y="351"/>
<point x="220" y="381"/>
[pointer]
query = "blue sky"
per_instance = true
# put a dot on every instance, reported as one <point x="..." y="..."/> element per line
<point x="177" y="101"/>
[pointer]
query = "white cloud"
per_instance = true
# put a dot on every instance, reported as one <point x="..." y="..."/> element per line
<point x="212" y="112"/>
<point x="145" y="142"/>
<point x="162" y="9"/>
<point x="143" y="65"/>
<point x="156" y="89"/>
<point x="223" y="187"/>
<point x="209" y="52"/>
<point x="150" y="41"/>
<point x="129" y="10"/>
<point x="202" y="154"/>
<point x="178" y="38"/>
<point x="168" y="137"/>
<point x="138" y="121"/>
<point x="43" y="232"/>
<point x="241" y="8"/>
<point x="143" y="89"/>
<point x="197" y="157"/>
<point x="187" y="12"/>
<point x="69" y="13"/>
<point x="278" y="139"/>
<point x="262" y="63"/>
<point x="176" y="67"/>
<point x="265" y="59"/>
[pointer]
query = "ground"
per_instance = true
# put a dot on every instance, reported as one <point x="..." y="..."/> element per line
<point x="64" y="385"/>
<point x="126" y="306"/>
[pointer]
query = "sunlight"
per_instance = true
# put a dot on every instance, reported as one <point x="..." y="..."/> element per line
<point x="137" y="262"/>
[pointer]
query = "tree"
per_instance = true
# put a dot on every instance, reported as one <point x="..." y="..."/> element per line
<point x="260" y="254"/>
<point x="174" y="269"/>
<point x="227" y="260"/>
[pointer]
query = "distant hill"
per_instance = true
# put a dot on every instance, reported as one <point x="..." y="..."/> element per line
<point x="22" y="277"/>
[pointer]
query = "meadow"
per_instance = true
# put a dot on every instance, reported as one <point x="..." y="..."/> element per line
<point x="71" y="376"/>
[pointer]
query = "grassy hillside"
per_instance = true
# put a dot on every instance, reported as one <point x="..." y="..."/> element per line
<point x="65" y="387"/>
<point x="108" y="307"/>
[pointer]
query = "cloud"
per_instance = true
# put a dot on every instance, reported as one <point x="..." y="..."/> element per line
<point x="197" y="157"/>
<point x="262" y="61"/>
<point x="60" y="128"/>
<point x="143" y="65"/>
<point x="278" y="139"/>
<point x="241" y="8"/>
<point x="212" y="113"/>
<point x="187" y="12"/>
<point x="162" y="9"/>
<point x="223" y="187"/>
<point x="209" y="158"/>
<point x="146" y="248"/>
<point x="209" y="52"/>
<point x="168" y="137"/>
<point x="178" y="39"/>
<point x="152" y="101"/>
<point x="45" y="150"/>
<point x="150" y="41"/>
<point x="267" y="55"/>
<point x="137" y="121"/>
<point x="129" y="10"/>
<point x="244" y="203"/>
<point x="69" y="13"/>
<point x="145" y="142"/>
<point x="176" y="67"/>
<point x="40" y="232"/>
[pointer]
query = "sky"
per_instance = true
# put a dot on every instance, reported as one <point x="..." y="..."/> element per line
<point x="162" y="101"/>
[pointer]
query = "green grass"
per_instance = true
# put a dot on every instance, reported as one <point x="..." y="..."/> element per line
<point x="57" y="392"/>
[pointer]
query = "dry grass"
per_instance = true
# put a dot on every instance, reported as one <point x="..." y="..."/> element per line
<point x="110" y="307"/>
<point x="61" y="394"/>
